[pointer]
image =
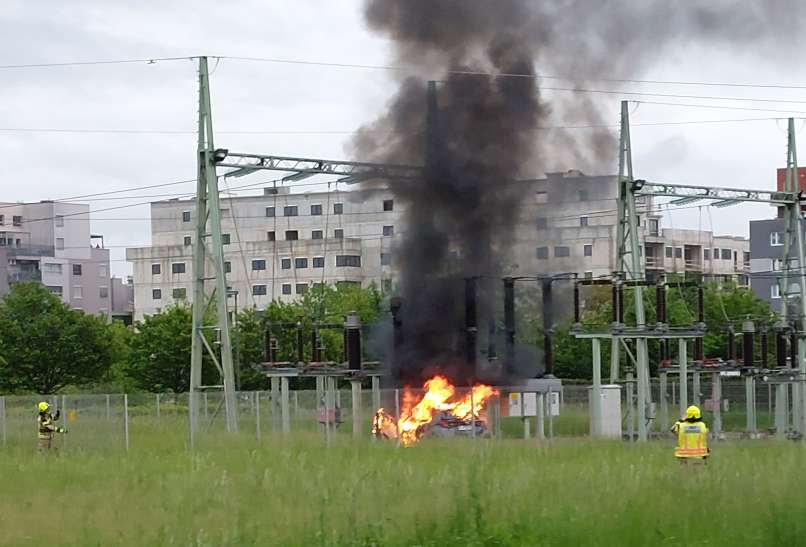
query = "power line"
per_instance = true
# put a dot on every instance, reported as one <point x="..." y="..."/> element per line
<point x="147" y="60"/>
<point x="113" y="131"/>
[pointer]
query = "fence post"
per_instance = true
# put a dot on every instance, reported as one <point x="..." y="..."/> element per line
<point x="108" y="415"/>
<point x="540" y="418"/>
<point x="284" y="413"/>
<point x="397" y="414"/>
<point x="158" y="406"/>
<point x="3" y="419"/>
<point x="64" y="420"/>
<point x="126" y="420"/>
<point x="257" y="414"/>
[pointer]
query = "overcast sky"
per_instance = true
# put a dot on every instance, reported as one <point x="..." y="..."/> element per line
<point x="310" y="109"/>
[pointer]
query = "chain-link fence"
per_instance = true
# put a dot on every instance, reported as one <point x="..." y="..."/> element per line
<point x="117" y="422"/>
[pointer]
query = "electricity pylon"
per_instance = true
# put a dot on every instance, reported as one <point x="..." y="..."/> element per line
<point x="208" y="250"/>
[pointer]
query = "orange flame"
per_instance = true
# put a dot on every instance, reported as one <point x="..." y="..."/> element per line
<point x="416" y="415"/>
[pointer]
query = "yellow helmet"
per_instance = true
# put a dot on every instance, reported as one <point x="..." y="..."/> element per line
<point x="43" y="406"/>
<point x="693" y="412"/>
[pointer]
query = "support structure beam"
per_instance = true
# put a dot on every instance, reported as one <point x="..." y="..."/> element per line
<point x="628" y="264"/>
<point x="208" y="251"/>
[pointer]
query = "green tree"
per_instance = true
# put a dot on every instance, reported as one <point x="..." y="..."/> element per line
<point x="46" y="346"/>
<point x="160" y="352"/>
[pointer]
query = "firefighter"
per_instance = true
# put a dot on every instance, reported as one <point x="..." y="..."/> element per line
<point x="47" y="427"/>
<point x="692" y="438"/>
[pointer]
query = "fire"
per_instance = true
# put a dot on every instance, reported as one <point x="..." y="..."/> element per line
<point x="416" y="414"/>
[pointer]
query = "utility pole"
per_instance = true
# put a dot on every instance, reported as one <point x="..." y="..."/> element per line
<point x="207" y="248"/>
<point x="628" y="264"/>
<point x="793" y="259"/>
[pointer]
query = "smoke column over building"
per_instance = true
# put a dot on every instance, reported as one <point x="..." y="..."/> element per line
<point x="461" y="217"/>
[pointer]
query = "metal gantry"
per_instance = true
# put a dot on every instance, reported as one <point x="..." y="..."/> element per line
<point x="208" y="251"/>
<point x="629" y="271"/>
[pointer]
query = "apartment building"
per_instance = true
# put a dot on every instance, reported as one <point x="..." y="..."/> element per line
<point x="277" y="245"/>
<point x="50" y="243"/>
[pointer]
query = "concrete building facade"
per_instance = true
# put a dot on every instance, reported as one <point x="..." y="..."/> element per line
<point x="766" y="265"/>
<point x="50" y="243"/>
<point x="279" y="244"/>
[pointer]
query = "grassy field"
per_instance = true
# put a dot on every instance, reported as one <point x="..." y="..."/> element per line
<point x="296" y="491"/>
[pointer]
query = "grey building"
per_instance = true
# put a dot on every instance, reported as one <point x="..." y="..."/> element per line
<point x="766" y="252"/>
<point x="50" y="243"/>
<point x="280" y="243"/>
<point x="121" y="294"/>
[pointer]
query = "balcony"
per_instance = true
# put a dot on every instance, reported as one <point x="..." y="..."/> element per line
<point x="25" y="276"/>
<point x="30" y="250"/>
<point x="693" y="265"/>
<point x="654" y="262"/>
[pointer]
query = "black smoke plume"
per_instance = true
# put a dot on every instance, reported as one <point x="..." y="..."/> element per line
<point x="461" y="217"/>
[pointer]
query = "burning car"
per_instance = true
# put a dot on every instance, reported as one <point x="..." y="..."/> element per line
<point x="437" y="412"/>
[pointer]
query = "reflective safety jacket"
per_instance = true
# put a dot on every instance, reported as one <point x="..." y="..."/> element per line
<point x="692" y="439"/>
<point x="46" y="425"/>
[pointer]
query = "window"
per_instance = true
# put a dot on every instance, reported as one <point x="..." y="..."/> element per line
<point x="386" y="285"/>
<point x="16" y="220"/>
<point x="78" y="292"/>
<point x="338" y="234"/>
<point x="59" y="221"/>
<point x="76" y="269"/>
<point x="286" y="288"/>
<point x="52" y="268"/>
<point x="259" y="290"/>
<point x="542" y="253"/>
<point x="587" y="250"/>
<point x="102" y="271"/>
<point x="316" y="234"/>
<point x="562" y="252"/>
<point x="542" y="223"/>
<point x="776" y="239"/>
<point x="285" y="263"/>
<point x="270" y="211"/>
<point x="706" y="254"/>
<point x="103" y="292"/>
<point x="179" y="294"/>
<point x="338" y="208"/>
<point x="55" y="289"/>
<point x="186" y="241"/>
<point x="716" y="254"/>
<point x="583" y="221"/>
<point x="178" y="268"/>
<point x="290" y="211"/>
<point x="225" y="239"/>
<point x="316" y="210"/>
<point x="270" y="236"/>
<point x="583" y="195"/>
<point x="726" y="254"/>
<point x="746" y="257"/>
<point x="775" y="291"/>
<point x="777" y="264"/>
<point x="185" y="216"/>
<point x="258" y="265"/>
<point x="227" y="267"/>
<point x="669" y="252"/>
<point x="348" y="261"/>
<point x="388" y="205"/>
<point x="318" y="262"/>
<point x="386" y="259"/>
<point x="678" y="252"/>
<point x="60" y="243"/>
<point x="302" y="288"/>
<point x="654" y="228"/>
<point x="2" y="219"/>
<point x="300" y="263"/>
<point x="388" y="230"/>
<point x="291" y="235"/>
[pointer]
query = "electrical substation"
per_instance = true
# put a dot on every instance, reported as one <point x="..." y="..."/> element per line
<point x="624" y="407"/>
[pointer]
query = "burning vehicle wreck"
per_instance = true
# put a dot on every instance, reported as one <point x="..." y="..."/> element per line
<point x="439" y="411"/>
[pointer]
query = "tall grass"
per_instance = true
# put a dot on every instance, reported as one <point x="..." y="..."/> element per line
<point x="296" y="491"/>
